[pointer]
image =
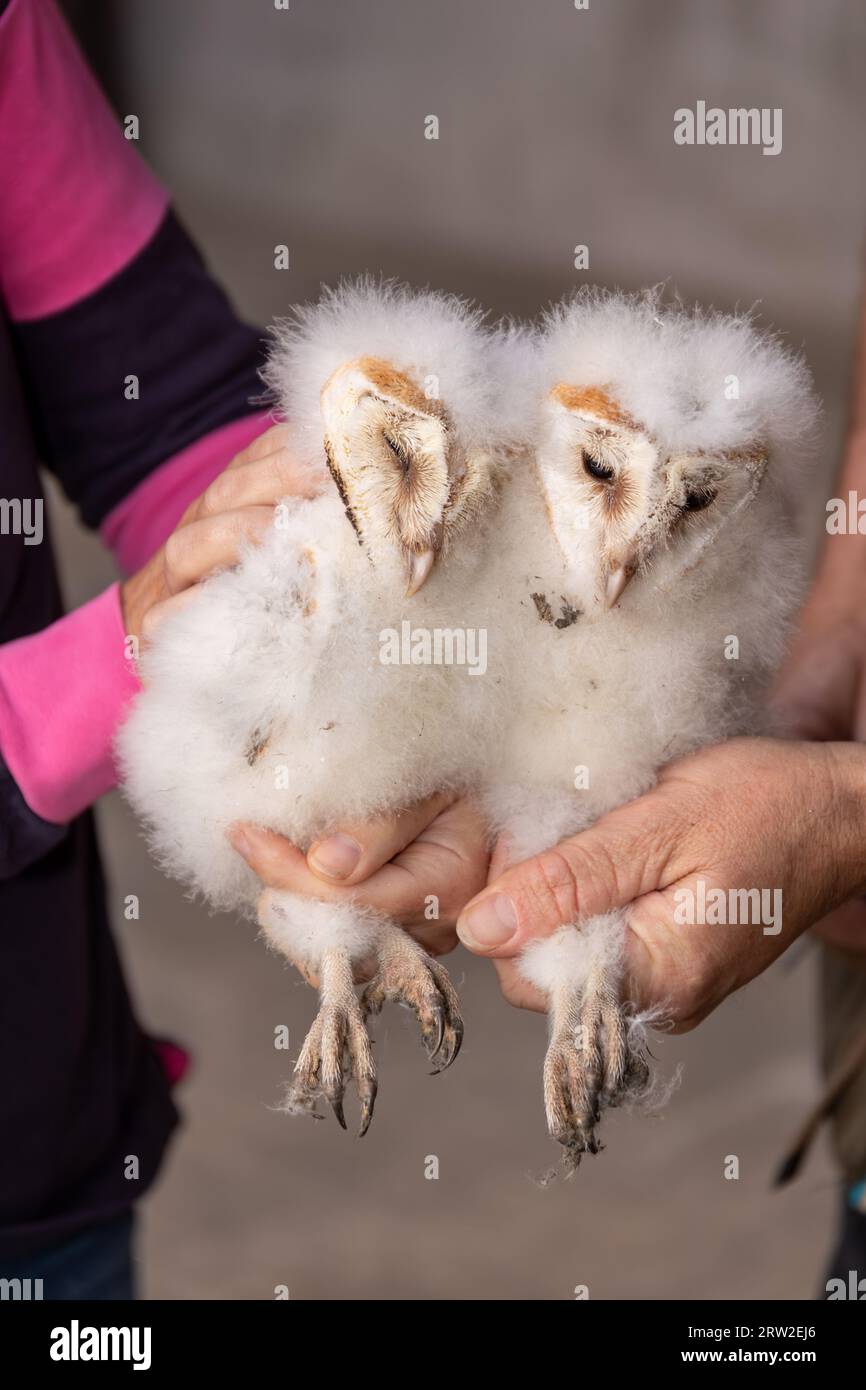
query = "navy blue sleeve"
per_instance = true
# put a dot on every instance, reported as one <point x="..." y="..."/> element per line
<point x="24" y="836"/>
<point x="162" y="320"/>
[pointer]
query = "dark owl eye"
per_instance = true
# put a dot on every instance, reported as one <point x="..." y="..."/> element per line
<point x="596" y="469"/>
<point x="698" y="499"/>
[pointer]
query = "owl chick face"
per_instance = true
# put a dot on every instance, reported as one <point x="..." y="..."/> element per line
<point x="406" y="484"/>
<point x="622" y="508"/>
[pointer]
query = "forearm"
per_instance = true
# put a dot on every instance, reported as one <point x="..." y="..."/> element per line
<point x="839" y="586"/>
<point x="845" y="854"/>
<point x="136" y="528"/>
<point x="63" y="693"/>
<point x="840" y="580"/>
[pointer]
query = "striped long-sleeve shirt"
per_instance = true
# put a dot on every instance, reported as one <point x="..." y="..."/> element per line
<point x="99" y="284"/>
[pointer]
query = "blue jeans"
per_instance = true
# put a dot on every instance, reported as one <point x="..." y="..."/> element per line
<point x="95" y="1264"/>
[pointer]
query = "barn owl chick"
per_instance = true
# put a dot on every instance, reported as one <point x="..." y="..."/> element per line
<point x="660" y="565"/>
<point x="266" y="700"/>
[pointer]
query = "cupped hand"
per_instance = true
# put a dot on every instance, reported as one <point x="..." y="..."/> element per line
<point x="747" y="814"/>
<point x="236" y="508"/>
<point x="419" y="868"/>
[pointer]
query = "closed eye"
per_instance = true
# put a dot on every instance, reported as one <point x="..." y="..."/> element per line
<point x="596" y="469"/>
<point x="399" y="453"/>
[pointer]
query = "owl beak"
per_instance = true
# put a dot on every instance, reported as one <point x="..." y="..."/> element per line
<point x="419" y="563"/>
<point x="617" y="579"/>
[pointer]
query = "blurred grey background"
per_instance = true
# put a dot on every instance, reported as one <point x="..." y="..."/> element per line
<point x="306" y="127"/>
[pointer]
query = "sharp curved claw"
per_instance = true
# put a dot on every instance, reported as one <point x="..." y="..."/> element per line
<point x="457" y="1029"/>
<point x="336" y="1104"/>
<point x="439" y="1024"/>
<point x="367" y="1094"/>
<point x="583" y="1078"/>
<point x="452" y="1046"/>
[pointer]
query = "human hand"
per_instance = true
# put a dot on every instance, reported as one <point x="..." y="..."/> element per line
<point x="750" y="813"/>
<point x="237" y="507"/>
<point x="419" y="867"/>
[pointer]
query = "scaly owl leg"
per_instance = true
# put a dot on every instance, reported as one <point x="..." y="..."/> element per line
<point x="596" y="1057"/>
<point x="336" y="1047"/>
<point x="330" y="941"/>
<point x="335" y="942"/>
<point x="407" y="975"/>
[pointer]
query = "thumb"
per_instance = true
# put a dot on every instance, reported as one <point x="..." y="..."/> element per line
<point x="620" y="858"/>
<point x="354" y="852"/>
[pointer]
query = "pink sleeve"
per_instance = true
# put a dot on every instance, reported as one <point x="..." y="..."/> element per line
<point x="63" y="691"/>
<point x="62" y="148"/>
<point x="62" y="695"/>
<point x="138" y="525"/>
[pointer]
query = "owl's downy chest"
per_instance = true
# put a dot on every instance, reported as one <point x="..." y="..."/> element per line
<point x="603" y="702"/>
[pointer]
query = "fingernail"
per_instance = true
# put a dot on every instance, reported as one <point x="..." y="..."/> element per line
<point x="489" y="923"/>
<point x="239" y="840"/>
<point x="335" y="857"/>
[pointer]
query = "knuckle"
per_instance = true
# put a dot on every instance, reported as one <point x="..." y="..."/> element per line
<point x="175" y="553"/>
<point x="601" y="866"/>
<point x="217" y="496"/>
<point x="549" y="888"/>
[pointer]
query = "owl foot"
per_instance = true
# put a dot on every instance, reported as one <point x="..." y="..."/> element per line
<point x="336" y="1047"/>
<point x="407" y="975"/>
<point x="330" y="944"/>
<point x="595" y="1059"/>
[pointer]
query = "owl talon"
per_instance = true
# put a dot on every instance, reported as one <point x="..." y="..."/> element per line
<point x="592" y="1063"/>
<point x="336" y="1047"/>
<point x="367" y="1087"/>
<point x="337" y="1107"/>
<point x="451" y="1045"/>
<point x="407" y="975"/>
<point x="439" y="1021"/>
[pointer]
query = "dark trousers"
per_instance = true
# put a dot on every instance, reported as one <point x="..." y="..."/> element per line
<point x="95" y="1264"/>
